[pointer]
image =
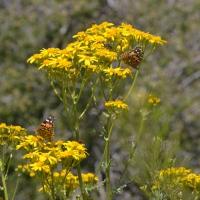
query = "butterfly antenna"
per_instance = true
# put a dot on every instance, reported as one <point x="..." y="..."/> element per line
<point x="33" y="126"/>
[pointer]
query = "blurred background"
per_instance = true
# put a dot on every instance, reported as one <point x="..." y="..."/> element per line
<point x="171" y="73"/>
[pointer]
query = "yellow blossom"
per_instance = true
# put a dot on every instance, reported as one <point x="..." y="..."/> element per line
<point x="88" y="60"/>
<point x="116" y="104"/>
<point x="45" y="157"/>
<point x="38" y="166"/>
<point x="153" y="100"/>
<point x="56" y="174"/>
<point x="35" y="58"/>
<point x="50" y="52"/>
<point x="32" y="174"/>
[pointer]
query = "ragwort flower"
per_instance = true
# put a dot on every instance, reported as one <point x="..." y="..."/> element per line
<point x="116" y="106"/>
<point x="90" y="48"/>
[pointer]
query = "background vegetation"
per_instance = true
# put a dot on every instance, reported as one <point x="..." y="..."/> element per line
<point x="171" y="73"/>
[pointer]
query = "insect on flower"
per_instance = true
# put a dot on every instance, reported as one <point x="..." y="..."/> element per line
<point x="106" y="45"/>
<point x="46" y="129"/>
<point x="133" y="57"/>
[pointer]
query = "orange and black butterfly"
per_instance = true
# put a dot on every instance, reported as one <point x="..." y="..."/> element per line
<point x="46" y="129"/>
<point x="133" y="57"/>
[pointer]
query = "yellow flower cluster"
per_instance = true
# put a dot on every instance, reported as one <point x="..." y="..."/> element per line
<point x="71" y="182"/>
<point x="149" y="98"/>
<point x="43" y="156"/>
<point x="177" y="176"/>
<point x="153" y="100"/>
<point x="94" y="51"/>
<point x="89" y="179"/>
<point x="47" y="159"/>
<point x="118" y="72"/>
<point x="11" y="134"/>
<point x="116" y="106"/>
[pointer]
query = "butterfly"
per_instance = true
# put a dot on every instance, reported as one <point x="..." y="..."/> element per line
<point x="133" y="57"/>
<point x="46" y="129"/>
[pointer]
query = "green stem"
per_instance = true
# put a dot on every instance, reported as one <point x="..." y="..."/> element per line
<point x="9" y="161"/>
<point x="81" y="182"/>
<point x="102" y="88"/>
<point x="16" y="188"/>
<point x="108" y="190"/>
<point x="56" y="92"/>
<point x="4" y="185"/>
<point x="66" y="107"/>
<point x="77" y="139"/>
<point x="52" y="186"/>
<point x="132" y="86"/>
<point x="105" y="149"/>
<point x="91" y="97"/>
<point x="133" y="151"/>
<point x="3" y="177"/>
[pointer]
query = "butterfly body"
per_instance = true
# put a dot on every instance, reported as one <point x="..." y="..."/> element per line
<point x="133" y="57"/>
<point x="46" y="129"/>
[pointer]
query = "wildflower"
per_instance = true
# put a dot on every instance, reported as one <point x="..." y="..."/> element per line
<point x="177" y="177"/>
<point x="56" y="174"/>
<point x="111" y="71"/>
<point x="64" y="64"/>
<point x="45" y="63"/>
<point x="33" y="156"/>
<point x="31" y="140"/>
<point x="89" y="49"/>
<point x="50" y="52"/>
<point x="45" y="157"/>
<point x="88" y="60"/>
<point x="35" y="58"/>
<point x="117" y="104"/>
<point x="38" y="166"/>
<point x="153" y="100"/>
<point x="89" y="178"/>
<point x="32" y="174"/>
<point x="80" y="35"/>
<point x="47" y="170"/>
<point x="11" y="135"/>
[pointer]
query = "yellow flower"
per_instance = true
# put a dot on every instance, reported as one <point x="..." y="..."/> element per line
<point x="177" y="176"/>
<point x="32" y="140"/>
<point x="2" y="125"/>
<point x="47" y="170"/>
<point x="153" y="100"/>
<point x="64" y="64"/>
<point x="89" y="178"/>
<point x="126" y="72"/>
<point x="45" y="63"/>
<point x="45" y="157"/>
<point x="32" y="174"/>
<point x="11" y="134"/>
<point x="38" y="166"/>
<point x="88" y="60"/>
<point x="26" y="167"/>
<point x="111" y="33"/>
<point x="112" y="71"/>
<point x="106" y="24"/>
<point x="89" y="51"/>
<point x="50" y="52"/>
<point x="157" y="40"/>
<point x="56" y="174"/>
<point x="31" y="155"/>
<point x="35" y="58"/>
<point x="59" y="142"/>
<point x="116" y="104"/>
<point x="79" y="35"/>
